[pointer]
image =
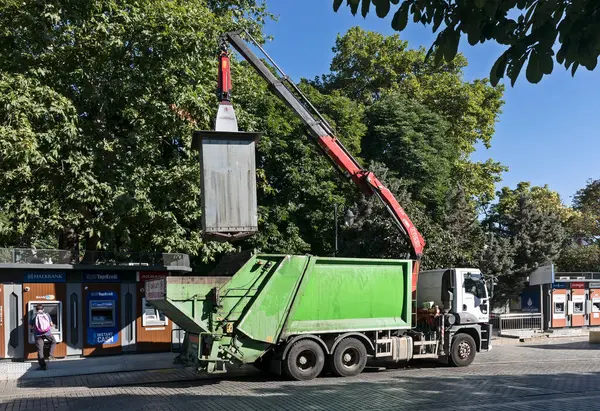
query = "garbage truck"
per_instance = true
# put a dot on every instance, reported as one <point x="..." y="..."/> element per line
<point x="302" y="315"/>
<point x="305" y="315"/>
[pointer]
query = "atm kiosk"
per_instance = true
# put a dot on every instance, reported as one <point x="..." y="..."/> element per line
<point x="154" y="329"/>
<point x="52" y="308"/>
<point x="559" y="305"/>
<point x="102" y="318"/>
<point x="594" y="304"/>
<point x="577" y="304"/>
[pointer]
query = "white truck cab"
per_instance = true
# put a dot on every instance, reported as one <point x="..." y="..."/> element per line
<point x="464" y="301"/>
<point x="461" y="291"/>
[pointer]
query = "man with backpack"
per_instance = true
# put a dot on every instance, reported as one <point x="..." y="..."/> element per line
<point x="41" y="324"/>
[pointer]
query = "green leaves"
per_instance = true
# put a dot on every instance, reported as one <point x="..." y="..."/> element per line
<point x="451" y="45"/>
<point x="498" y="68"/>
<point x="366" y="6"/>
<point x="536" y="25"/>
<point x="539" y="64"/>
<point x="534" y="72"/>
<point x="354" y="6"/>
<point x="530" y="222"/>
<point x="119" y="66"/>
<point x="37" y="128"/>
<point x="382" y="7"/>
<point x="400" y="18"/>
<point x="446" y="46"/>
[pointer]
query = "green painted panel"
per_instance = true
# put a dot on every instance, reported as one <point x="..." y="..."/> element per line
<point x="237" y="295"/>
<point x="352" y="294"/>
<point x="264" y="319"/>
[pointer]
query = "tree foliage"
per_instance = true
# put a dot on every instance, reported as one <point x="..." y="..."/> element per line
<point x="38" y="134"/>
<point x="532" y="230"/>
<point x="368" y="66"/>
<point x="579" y="259"/>
<point x="528" y="29"/>
<point x="98" y="102"/>
<point x="586" y="203"/>
<point x="412" y="141"/>
<point x="128" y="180"/>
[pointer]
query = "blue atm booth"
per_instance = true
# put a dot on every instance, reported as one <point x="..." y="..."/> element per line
<point x="102" y="318"/>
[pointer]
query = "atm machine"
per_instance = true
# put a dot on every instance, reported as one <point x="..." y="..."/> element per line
<point x="594" y="304"/>
<point x="54" y="309"/>
<point x="151" y="317"/>
<point x="102" y="321"/>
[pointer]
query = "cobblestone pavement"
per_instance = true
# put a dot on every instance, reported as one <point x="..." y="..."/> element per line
<point x="554" y="376"/>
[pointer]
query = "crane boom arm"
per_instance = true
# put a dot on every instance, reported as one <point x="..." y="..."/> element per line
<point x="322" y="132"/>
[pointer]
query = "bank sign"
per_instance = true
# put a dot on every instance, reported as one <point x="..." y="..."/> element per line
<point x="101" y="277"/>
<point x="45" y="277"/>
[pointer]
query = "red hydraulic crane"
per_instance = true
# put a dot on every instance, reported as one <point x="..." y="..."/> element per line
<point x="319" y="130"/>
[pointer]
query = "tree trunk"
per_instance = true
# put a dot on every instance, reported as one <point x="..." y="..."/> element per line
<point x="90" y="256"/>
<point x="68" y="240"/>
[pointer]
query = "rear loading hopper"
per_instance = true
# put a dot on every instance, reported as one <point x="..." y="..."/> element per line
<point x="274" y="302"/>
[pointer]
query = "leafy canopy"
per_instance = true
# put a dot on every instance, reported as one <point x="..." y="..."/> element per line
<point x="115" y="169"/>
<point x="367" y="66"/>
<point x="528" y="28"/>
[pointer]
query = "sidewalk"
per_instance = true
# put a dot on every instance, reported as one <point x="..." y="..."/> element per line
<point x="530" y="336"/>
<point x="89" y="365"/>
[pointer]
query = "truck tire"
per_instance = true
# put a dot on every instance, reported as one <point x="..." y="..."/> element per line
<point x="349" y="358"/>
<point x="304" y="361"/>
<point x="463" y="350"/>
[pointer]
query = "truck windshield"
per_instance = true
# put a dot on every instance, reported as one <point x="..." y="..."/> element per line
<point x="475" y="285"/>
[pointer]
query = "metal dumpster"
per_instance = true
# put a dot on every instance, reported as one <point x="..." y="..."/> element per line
<point x="229" y="204"/>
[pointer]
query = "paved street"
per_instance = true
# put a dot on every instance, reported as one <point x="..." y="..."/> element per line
<point x="562" y="375"/>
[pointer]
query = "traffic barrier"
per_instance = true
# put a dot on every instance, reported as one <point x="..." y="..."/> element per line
<point x="517" y="322"/>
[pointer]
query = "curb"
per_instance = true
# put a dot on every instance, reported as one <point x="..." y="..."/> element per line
<point x="516" y="340"/>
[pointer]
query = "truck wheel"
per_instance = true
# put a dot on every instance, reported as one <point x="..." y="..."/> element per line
<point x="463" y="350"/>
<point x="349" y="358"/>
<point x="304" y="361"/>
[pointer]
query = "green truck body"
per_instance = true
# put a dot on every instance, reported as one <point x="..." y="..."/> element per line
<point x="273" y="301"/>
<point x="274" y="297"/>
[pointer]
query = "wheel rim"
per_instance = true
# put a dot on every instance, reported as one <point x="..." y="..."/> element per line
<point x="306" y="360"/>
<point x="350" y="358"/>
<point x="464" y="350"/>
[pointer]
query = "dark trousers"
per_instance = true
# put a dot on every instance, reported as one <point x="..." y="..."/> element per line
<point x="39" y="342"/>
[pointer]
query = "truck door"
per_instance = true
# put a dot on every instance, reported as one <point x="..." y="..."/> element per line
<point x="475" y="298"/>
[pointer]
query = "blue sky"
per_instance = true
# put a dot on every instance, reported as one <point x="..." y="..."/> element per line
<point x="547" y="133"/>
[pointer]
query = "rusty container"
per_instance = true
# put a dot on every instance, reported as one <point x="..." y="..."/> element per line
<point x="229" y="204"/>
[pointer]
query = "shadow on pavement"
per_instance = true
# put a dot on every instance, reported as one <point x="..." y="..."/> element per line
<point x="391" y="392"/>
<point x="155" y="377"/>
<point x="576" y="345"/>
